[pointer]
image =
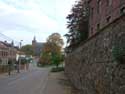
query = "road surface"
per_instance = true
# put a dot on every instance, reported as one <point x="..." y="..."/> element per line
<point x="30" y="82"/>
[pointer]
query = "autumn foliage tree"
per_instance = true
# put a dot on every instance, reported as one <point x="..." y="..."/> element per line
<point x="77" y="24"/>
<point x="52" y="49"/>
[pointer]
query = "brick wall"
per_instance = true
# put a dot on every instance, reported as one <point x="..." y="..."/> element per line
<point x="103" y="14"/>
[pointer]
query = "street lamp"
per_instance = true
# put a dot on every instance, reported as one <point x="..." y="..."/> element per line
<point x="20" y="43"/>
<point x="19" y="59"/>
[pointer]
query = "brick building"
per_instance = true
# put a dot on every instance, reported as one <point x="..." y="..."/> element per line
<point x="3" y="54"/>
<point x="104" y="12"/>
<point x="7" y="52"/>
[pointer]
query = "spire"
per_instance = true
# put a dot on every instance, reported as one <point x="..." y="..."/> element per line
<point x="34" y="39"/>
<point x="12" y="43"/>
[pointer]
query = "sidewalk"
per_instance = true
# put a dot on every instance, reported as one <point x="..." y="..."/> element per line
<point x="58" y="84"/>
<point x="13" y="73"/>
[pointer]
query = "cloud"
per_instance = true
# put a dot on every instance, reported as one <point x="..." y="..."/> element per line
<point x="33" y="17"/>
<point x="36" y="20"/>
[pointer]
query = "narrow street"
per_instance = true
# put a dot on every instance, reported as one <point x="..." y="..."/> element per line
<point x="27" y="82"/>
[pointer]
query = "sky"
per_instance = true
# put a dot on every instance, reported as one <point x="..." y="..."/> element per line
<point x="24" y="19"/>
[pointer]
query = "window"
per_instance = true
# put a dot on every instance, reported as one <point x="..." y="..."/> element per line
<point x="91" y="30"/>
<point x="109" y="2"/>
<point x="98" y="6"/>
<point x="0" y="61"/>
<point x="2" y="53"/>
<point x="122" y="10"/>
<point x="108" y="19"/>
<point x="91" y="13"/>
<point x="98" y="27"/>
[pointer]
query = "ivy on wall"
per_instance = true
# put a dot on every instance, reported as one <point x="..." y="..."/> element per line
<point x="118" y="52"/>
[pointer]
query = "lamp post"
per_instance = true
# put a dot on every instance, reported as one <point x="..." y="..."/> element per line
<point x="19" y="59"/>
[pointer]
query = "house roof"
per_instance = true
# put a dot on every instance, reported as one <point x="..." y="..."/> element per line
<point x="2" y="45"/>
<point x="7" y="44"/>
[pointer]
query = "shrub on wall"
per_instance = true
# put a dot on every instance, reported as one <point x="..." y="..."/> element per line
<point x="118" y="52"/>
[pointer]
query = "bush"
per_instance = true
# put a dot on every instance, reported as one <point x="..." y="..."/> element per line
<point x="59" y="69"/>
<point x="118" y="52"/>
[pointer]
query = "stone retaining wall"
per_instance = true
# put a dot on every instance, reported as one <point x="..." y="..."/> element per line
<point x="91" y="67"/>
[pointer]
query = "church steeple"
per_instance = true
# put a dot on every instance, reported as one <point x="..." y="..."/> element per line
<point x="34" y="39"/>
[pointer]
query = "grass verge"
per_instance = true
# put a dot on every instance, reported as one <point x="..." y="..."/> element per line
<point x="59" y="69"/>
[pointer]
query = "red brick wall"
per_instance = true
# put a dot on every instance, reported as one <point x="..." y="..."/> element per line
<point x="106" y="15"/>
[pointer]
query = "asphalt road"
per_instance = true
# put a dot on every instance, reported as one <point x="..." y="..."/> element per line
<point x="30" y="82"/>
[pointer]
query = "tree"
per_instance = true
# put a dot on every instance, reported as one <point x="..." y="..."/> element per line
<point x="56" y="59"/>
<point x="52" y="49"/>
<point x="56" y="42"/>
<point x="45" y="55"/>
<point x="27" y="49"/>
<point x="55" y="39"/>
<point x="77" y="24"/>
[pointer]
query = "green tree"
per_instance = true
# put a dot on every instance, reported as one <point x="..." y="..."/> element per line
<point x="77" y="24"/>
<point x="27" y="49"/>
<point x="55" y="59"/>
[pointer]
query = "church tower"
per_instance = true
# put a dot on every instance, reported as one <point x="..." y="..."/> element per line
<point x="34" y="40"/>
<point x="34" y="44"/>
